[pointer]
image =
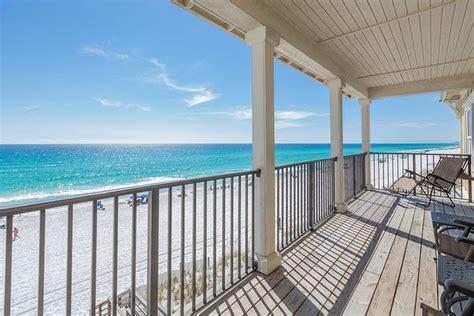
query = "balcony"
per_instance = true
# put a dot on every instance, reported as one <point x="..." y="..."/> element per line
<point x="377" y="259"/>
<point x="198" y="253"/>
<point x="213" y="244"/>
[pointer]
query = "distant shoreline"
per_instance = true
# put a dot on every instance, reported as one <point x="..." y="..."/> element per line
<point x="36" y="173"/>
<point x="139" y="144"/>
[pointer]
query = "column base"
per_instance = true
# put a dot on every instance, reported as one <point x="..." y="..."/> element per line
<point x="369" y="187"/>
<point x="341" y="207"/>
<point x="266" y="264"/>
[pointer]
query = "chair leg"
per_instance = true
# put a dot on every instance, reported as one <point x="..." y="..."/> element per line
<point x="444" y="300"/>
<point x="450" y="199"/>
<point x="430" y="196"/>
<point x="469" y="307"/>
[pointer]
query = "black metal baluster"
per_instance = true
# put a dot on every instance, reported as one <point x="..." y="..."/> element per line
<point x="194" y="248"/>
<point x="214" y="239"/>
<point x="204" y="240"/>
<point x="231" y="267"/>
<point x="239" y="228"/>
<point x="246" y="224"/>
<point x="170" y="225"/>
<point x="253" y="222"/>
<point x="181" y="276"/>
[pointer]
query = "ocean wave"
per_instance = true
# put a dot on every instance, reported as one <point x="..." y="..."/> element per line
<point x="74" y="192"/>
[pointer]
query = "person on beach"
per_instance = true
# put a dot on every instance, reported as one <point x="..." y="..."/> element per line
<point x="100" y="206"/>
<point x="15" y="234"/>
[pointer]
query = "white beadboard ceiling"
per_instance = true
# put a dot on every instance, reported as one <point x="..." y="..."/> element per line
<point x="380" y="48"/>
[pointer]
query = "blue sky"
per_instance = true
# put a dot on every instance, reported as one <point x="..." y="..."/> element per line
<point x="150" y="72"/>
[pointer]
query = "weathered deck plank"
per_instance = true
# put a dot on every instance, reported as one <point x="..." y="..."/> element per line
<point x="405" y="296"/>
<point x="321" y="294"/>
<point x="427" y="291"/>
<point x="362" y="296"/>
<point x="377" y="259"/>
<point x="387" y="285"/>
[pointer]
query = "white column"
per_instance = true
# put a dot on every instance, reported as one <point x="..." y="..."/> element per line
<point x="463" y="128"/>
<point x="365" y="130"/>
<point x="335" y="87"/>
<point x="472" y="132"/>
<point x="262" y="40"/>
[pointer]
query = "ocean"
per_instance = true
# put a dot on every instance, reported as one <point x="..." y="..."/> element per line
<point x="33" y="173"/>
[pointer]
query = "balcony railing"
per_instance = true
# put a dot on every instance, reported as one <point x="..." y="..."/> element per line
<point x="354" y="175"/>
<point x="199" y="241"/>
<point x="304" y="197"/>
<point x="386" y="168"/>
<point x="199" y="238"/>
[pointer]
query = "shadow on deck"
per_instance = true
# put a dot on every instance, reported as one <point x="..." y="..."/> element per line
<point x="366" y="261"/>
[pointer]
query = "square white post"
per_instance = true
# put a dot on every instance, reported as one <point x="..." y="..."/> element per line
<point x="263" y="40"/>
<point x="335" y="87"/>
<point x="462" y="126"/>
<point x="472" y="133"/>
<point x="365" y="129"/>
<point x="463" y="120"/>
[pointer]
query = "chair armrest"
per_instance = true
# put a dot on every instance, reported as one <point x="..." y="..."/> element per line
<point x="413" y="173"/>
<point x="466" y="240"/>
<point x="460" y="287"/>
<point x="445" y="228"/>
<point x="464" y="222"/>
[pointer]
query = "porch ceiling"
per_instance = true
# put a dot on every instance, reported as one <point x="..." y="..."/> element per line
<point x="380" y="48"/>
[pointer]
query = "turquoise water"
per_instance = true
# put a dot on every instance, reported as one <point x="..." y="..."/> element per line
<point x="41" y="172"/>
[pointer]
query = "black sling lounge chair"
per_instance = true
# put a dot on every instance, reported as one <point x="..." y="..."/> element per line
<point x="452" y="235"/>
<point x="454" y="293"/>
<point x="442" y="179"/>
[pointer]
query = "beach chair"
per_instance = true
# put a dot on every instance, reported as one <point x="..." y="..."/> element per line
<point x="430" y="311"/>
<point x="456" y="292"/>
<point x="442" y="179"/>
<point x="452" y="235"/>
<point x="457" y="278"/>
<point x="427" y="310"/>
<point x="468" y="308"/>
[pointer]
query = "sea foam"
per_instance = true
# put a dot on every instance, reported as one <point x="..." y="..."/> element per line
<point x="77" y="192"/>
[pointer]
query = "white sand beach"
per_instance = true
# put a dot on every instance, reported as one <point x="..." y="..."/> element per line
<point x="25" y="248"/>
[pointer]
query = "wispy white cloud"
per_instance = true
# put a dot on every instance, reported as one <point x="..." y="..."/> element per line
<point x="283" y="119"/>
<point x="31" y="107"/>
<point x="93" y="50"/>
<point x="108" y="102"/>
<point x="408" y="124"/>
<point x="118" y="104"/>
<point x="155" y="62"/>
<point x="281" y="124"/>
<point x="121" y="56"/>
<point x="164" y="79"/>
<point x="199" y="98"/>
<point x="141" y="107"/>
<point x="200" y="95"/>
<point x="243" y="114"/>
<point x="101" y="52"/>
<point x="295" y="115"/>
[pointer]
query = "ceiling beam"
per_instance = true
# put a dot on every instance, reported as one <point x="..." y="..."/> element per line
<point x="416" y="68"/>
<point x="267" y="16"/>
<point x="386" y="22"/>
<point x="465" y="81"/>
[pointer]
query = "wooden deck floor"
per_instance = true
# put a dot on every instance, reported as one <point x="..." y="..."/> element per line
<point x="377" y="259"/>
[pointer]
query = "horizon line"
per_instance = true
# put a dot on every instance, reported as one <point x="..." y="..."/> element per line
<point x="231" y="143"/>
